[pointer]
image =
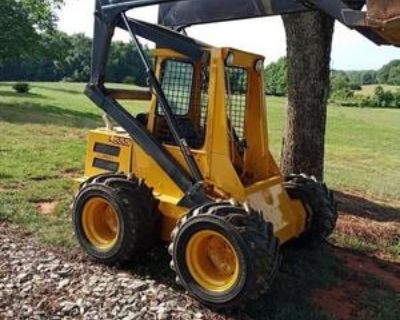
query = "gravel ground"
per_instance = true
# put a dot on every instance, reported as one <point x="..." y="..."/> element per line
<point x="38" y="282"/>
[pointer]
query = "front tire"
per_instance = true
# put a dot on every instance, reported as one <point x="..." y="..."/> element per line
<point x="224" y="255"/>
<point x="115" y="218"/>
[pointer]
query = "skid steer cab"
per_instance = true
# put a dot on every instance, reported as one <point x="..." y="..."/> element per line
<point x="225" y="247"/>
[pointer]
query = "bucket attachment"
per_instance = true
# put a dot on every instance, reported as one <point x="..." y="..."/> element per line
<point x="384" y="17"/>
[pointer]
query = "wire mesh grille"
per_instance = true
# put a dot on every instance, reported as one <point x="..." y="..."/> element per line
<point x="177" y="82"/>
<point x="237" y="98"/>
<point x="185" y="87"/>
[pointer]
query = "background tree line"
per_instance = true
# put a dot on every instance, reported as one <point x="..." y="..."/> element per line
<point x="345" y="84"/>
<point x="345" y="92"/>
<point x="67" y="58"/>
<point x="389" y="74"/>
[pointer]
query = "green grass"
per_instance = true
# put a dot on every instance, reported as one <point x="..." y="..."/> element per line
<point x="362" y="148"/>
<point x="42" y="147"/>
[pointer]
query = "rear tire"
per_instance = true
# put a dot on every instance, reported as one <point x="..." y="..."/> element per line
<point x="115" y="218"/>
<point x="319" y="204"/>
<point x="224" y="255"/>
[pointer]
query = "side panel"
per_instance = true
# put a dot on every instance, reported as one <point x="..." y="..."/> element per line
<point x="145" y="167"/>
<point x="108" y="151"/>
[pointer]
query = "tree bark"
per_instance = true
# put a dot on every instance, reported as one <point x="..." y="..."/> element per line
<point x="309" y="42"/>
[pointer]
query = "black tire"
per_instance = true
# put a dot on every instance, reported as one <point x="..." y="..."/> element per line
<point x="252" y="239"/>
<point x="136" y="208"/>
<point x="319" y="204"/>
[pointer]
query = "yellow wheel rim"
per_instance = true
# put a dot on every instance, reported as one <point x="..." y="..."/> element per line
<point x="212" y="261"/>
<point x="100" y="223"/>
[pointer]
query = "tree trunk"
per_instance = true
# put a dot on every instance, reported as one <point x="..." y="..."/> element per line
<point x="309" y="42"/>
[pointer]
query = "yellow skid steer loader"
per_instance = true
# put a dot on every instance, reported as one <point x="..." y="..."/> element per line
<point x="196" y="169"/>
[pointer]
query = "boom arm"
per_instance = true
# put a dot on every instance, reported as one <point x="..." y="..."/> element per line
<point x="378" y="20"/>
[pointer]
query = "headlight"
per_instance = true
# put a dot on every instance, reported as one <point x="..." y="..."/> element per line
<point x="230" y="59"/>
<point x="259" y="66"/>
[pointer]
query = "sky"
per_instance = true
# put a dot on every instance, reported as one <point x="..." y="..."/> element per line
<point x="265" y="36"/>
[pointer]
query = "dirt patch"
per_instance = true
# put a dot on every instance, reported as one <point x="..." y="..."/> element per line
<point x="75" y="135"/>
<point x="12" y="187"/>
<point x="374" y="223"/>
<point x="387" y="273"/>
<point x="42" y="178"/>
<point x="46" y="207"/>
<point x="367" y="229"/>
<point x="71" y="173"/>
<point x="357" y="205"/>
<point x="338" y="300"/>
<point x="343" y="300"/>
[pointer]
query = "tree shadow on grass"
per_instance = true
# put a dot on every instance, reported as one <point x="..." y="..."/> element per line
<point x="302" y="272"/>
<point x="37" y="113"/>
<point x="362" y="207"/>
<point x="314" y="283"/>
<point x="4" y="176"/>
<point x="53" y="88"/>
<point x="29" y="95"/>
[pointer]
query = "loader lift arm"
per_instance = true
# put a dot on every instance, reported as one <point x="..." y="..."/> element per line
<point x="380" y="24"/>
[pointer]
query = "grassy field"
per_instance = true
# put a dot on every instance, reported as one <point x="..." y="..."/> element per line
<point x="369" y="90"/>
<point x="362" y="150"/>
<point x="44" y="134"/>
<point x="41" y="150"/>
<point x="43" y="147"/>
